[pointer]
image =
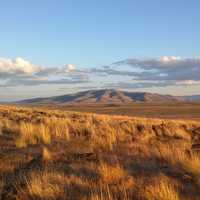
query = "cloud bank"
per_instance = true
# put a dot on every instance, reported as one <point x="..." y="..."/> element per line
<point x="15" y="72"/>
<point x="165" y="68"/>
<point x="125" y="74"/>
<point x="154" y="72"/>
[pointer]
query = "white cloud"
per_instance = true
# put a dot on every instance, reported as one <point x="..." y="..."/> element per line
<point x="18" y="65"/>
<point x="188" y="82"/>
<point x="169" y="59"/>
<point x="22" y="72"/>
<point x="70" y="67"/>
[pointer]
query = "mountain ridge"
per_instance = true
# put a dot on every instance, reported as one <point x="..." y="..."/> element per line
<point x="107" y="96"/>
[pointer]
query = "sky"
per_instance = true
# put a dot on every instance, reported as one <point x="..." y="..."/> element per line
<point x="54" y="47"/>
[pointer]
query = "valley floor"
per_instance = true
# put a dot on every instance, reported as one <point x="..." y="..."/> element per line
<point x="50" y="154"/>
<point x="178" y="110"/>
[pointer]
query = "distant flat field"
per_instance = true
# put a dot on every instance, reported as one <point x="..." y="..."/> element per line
<point x="152" y="110"/>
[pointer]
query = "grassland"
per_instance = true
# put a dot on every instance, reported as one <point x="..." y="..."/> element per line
<point x="51" y="154"/>
<point x="173" y="110"/>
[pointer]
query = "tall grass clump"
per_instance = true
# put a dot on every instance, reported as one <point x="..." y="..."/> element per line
<point x="115" y="182"/>
<point x="43" y="134"/>
<point x="111" y="174"/>
<point x="26" y="135"/>
<point x="58" y="127"/>
<point x="161" y="189"/>
<point x="8" y="127"/>
<point x="31" y="134"/>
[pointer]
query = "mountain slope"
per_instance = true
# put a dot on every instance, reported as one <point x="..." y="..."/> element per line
<point x="104" y="97"/>
<point x="192" y="98"/>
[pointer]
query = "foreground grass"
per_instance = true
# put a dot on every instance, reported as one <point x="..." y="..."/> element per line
<point x="67" y="155"/>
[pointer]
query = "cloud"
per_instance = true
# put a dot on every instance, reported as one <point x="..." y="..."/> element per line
<point x="18" y="65"/>
<point x="14" y="72"/>
<point x="165" y="68"/>
<point x="70" y="67"/>
<point x="187" y="82"/>
<point x="169" y="59"/>
<point x="128" y="73"/>
<point x="149" y="84"/>
<point x="136" y="85"/>
<point x="111" y="71"/>
<point x="33" y="81"/>
<point x="154" y="72"/>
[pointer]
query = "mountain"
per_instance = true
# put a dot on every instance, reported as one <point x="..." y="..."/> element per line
<point x="192" y="98"/>
<point x="106" y="96"/>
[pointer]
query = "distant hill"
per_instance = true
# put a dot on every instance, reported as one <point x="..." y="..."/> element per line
<point x="106" y="96"/>
<point x="192" y="98"/>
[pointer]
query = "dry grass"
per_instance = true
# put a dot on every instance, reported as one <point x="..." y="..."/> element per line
<point x="161" y="189"/>
<point x="31" y="134"/>
<point x="46" y="154"/>
<point x="181" y="159"/>
<point x="111" y="174"/>
<point x="45" y="186"/>
<point x="63" y="155"/>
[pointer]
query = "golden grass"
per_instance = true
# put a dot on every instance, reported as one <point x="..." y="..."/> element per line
<point x="44" y="134"/>
<point x="96" y="157"/>
<point x="111" y="174"/>
<point x="181" y="159"/>
<point x="59" y="128"/>
<point x="161" y="189"/>
<point x="31" y="134"/>
<point x="47" y="185"/>
<point x="46" y="154"/>
<point x="43" y="186"/>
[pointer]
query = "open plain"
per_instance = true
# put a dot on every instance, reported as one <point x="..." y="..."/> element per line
<point x="53" y="154"/>
<point x="165" y="110"/>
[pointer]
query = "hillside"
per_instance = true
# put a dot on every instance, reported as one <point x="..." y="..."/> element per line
<point x="47" y="155"/>
<point x="106" y="96"/>
<point x="192" y="98"/>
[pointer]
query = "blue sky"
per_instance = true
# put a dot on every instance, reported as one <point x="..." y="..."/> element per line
<point x="90" y="34"/>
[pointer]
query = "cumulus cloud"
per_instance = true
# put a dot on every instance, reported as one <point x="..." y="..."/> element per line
<point x="70" y="67"/>
<point x="14" y="72"/>
<point x="18" y="65"/>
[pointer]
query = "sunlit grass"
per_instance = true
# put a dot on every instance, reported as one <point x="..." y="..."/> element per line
<point x="64" y="155"/>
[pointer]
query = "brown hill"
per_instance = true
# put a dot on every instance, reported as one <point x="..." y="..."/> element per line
<point x="105" y="96"/>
